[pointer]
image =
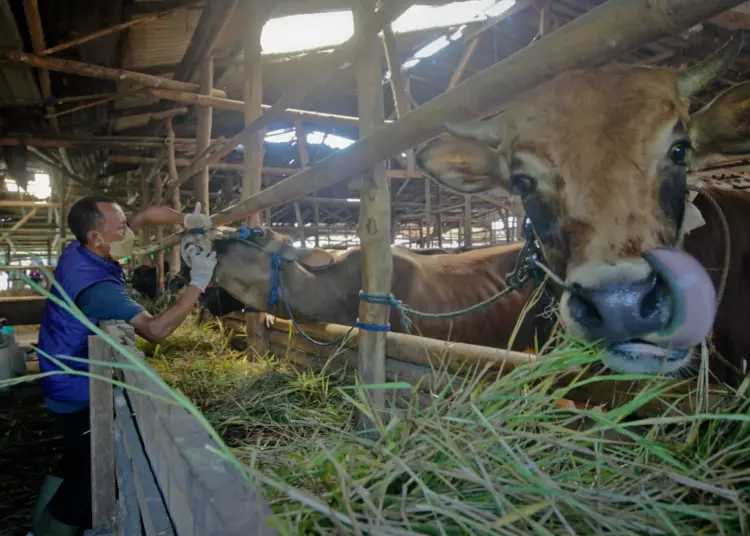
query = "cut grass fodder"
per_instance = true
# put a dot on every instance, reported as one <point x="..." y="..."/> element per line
<point x="499" y="459"/>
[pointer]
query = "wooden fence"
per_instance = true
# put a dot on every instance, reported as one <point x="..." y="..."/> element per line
<point x="152" y="455"/>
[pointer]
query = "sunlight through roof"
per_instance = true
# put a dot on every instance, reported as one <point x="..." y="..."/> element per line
<point x="39" y="187"/>
<point x="316" y="31"/>
<point x="315" y="137"/>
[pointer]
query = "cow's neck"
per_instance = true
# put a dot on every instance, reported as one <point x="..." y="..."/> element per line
<point x="320" y="296"/>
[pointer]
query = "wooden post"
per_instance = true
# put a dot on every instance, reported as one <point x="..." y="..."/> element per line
<point x="159" y="235"/>
<point x="316" y="220"/>
<point x="374" y="221"/>
<point x="203" y="134"/>
<point x="103" y="503"/>
<point x="254" y="15"/>
<point x="467" y="221"/>
<point x="427" y="211"/>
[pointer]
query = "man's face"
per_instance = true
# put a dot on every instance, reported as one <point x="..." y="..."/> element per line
<point x="112" y="230"/>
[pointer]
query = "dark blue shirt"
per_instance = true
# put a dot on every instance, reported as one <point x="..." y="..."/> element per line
<point x="105" y="300"/>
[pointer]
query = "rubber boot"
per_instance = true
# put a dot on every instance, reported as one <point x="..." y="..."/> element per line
<point x="49" y="526"/>
<point x="48" y="489"/>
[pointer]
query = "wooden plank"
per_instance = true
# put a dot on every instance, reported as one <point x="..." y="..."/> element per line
<point x="129" y="520"/>
<point x="156" y="520"/>
<point x="207" y="496"/>
<point x="103" y="502"/>
<point x="374" y="220"/>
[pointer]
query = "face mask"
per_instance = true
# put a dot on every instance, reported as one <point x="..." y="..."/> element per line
<point x="123" y="248"/>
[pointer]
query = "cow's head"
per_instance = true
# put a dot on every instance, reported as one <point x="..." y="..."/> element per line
<point x="243" y="267"/>
<point x="600" y="158"/>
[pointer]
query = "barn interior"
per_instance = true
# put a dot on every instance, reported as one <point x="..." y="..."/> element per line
<point x="94" y="94"/>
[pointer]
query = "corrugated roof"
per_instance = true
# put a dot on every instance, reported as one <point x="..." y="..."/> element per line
<point x="161" y="42"/>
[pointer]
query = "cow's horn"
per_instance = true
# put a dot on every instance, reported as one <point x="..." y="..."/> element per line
<point x="692" y="80"/>
<point x="484" y="131"/>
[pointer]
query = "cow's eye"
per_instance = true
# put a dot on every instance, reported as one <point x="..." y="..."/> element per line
<point x="678" y="152"/>
<point x="523" y="184"/>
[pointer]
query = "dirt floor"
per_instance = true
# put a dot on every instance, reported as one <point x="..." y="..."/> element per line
<point x="29" y="449"/>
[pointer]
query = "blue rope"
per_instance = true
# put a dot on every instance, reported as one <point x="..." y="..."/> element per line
<point x="372" y="327"/>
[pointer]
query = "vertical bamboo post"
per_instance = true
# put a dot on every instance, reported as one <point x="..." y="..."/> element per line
<point x="316" y="220"/>
<point x="467" y="221"/>
<point x="203" y="134"/>
<point x="304" y="160"/>
<point x="175" y="260"/>
<point x="427" y="211"/>
<point x="439" y="217"/>
<point x="62" y="180"/>
<point x="159" y="235"/>
<point x="145" y="231"/>
<point x="374" y="220"/>
<point x="254" y="17"/>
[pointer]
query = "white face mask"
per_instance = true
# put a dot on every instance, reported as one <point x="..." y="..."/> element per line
<point x="123" y="248"/>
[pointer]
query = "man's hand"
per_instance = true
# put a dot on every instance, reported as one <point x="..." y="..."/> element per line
<point x="197" y="220"/>
<point x="202" y="264"/>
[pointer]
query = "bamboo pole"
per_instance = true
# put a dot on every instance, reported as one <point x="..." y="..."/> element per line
<point x="99" y="71"/>
<point x="463" y="62"/>
<point x="231" y="105"/>
<point x="468" y="238"/>
<point x="175" y="261"/>
<point x="374" y="220"/>
<point x="594" y="38"/>
<point x="203" y="134"/>
<point x="12" y="203"/>
<point x="20" y="223"/>
<point x="308" y="82"/>
<point x="145" y="237"/>
<point x="254" y="16"/>
<point x="62" y="180"/>
<point x="159" y="235"/>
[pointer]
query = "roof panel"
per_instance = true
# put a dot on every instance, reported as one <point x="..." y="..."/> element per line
<point x="160" y="42"/>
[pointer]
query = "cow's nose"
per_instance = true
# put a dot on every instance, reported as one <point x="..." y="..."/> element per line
<point x="623" y="311"/>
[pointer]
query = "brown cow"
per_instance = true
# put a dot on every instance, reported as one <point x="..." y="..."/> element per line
<point x="325" y="288"/>
<point x="600" y="160"/>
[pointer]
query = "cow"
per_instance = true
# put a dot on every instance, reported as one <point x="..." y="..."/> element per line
<point x="600" y="160"/>
<point x="144" y="281"/>
<point x="321" y="287"/>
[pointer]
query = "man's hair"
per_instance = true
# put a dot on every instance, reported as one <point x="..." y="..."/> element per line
<point x="84" y="216"/>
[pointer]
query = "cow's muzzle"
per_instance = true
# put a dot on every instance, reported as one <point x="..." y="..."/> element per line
<point x="673" y="307"/>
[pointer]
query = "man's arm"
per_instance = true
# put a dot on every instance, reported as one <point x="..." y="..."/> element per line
<point x="109" y="301"/>
<point x="157" y="328"/>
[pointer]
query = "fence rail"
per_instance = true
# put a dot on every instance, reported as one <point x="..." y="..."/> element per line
<point x="154" y="453"/>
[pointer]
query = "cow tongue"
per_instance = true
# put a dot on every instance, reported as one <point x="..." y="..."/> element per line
<point x="693" y="297"/>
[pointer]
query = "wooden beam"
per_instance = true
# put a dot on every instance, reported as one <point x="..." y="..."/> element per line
<point x="311" y="80"/>
<point x="254" y="14"/>
<point x="622" y="25"/>
<point x="204" y="38"/>
<point x="374" y="221"/>
<point x="13" y="203"/>
<point x="34" y="22"/>
<point x="304" y="160"/>
<point x="113" y="142"/>
<point x="231" y="105"/>
<point x="116" y="28"/>
<point x="99" y="71"/>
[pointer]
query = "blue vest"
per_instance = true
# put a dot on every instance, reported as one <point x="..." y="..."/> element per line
<point x="62" y="334"/>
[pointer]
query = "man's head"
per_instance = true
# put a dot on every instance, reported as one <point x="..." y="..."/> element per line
<point x="99" y="223"/>
<point x="599" y="159"/>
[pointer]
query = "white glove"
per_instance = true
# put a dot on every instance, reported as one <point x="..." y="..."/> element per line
<point x="197" y="220"/>
<point x="202" y="264"/>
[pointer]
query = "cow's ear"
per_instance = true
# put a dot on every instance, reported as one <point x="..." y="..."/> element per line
<point x="462" y="165"/>
<point x="722" y="127"/>
<point x="314" y="259"/>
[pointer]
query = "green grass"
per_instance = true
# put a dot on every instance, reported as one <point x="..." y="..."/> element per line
<point x="494" y="459"/>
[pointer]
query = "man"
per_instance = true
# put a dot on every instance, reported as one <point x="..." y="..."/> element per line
<point x="92" y="278"/>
